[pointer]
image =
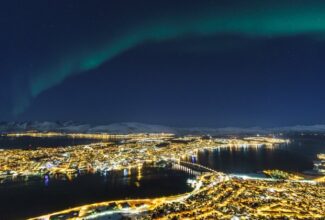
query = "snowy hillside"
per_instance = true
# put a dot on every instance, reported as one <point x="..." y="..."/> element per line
<point x="133" y="127"/>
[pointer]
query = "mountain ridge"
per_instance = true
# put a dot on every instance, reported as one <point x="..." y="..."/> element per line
<point x="135" y="127"/>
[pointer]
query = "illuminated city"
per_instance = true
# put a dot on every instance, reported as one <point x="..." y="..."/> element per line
<point x="132" y="151"/>
<point x="215" y="195"/>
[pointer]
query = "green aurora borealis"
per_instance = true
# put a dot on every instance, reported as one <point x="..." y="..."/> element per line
<point x="255" y="19"/>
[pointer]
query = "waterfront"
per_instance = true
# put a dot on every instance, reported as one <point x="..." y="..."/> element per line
<point x="27" y="199"/>
<point x="43" y="193"/>
<point x="215" y="196"/>
<point x="253" y="160"/>
<point x="296" y="156"/>
<point x="28" y="142"/>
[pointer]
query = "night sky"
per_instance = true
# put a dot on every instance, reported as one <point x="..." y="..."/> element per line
<point x="174" y="62"/>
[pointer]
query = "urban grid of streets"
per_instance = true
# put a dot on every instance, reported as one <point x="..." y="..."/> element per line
<point x="216" y="195"/>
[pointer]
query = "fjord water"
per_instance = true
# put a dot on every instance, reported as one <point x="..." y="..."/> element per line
<point x="20" y="200"/>
<point x="26" y="142"/>
<point x="296" y="156"/>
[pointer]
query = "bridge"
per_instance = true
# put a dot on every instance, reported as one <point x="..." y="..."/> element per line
<point x="191" y="168"/>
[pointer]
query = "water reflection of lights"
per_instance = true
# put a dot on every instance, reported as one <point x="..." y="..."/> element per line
<point x="139" y="173"/>
<point x="193" y="159"/>
<point x="46" y="180"/>
<point x="125" y="172"/>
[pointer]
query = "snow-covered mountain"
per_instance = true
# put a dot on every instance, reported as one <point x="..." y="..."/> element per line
<point x="116" y="128"/>
<point x="43" y="126"/>
<point x="133" y="127"/>
<point x="302" y="128"/>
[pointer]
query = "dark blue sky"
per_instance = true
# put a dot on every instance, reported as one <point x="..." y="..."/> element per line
<point x="180" y="63"/>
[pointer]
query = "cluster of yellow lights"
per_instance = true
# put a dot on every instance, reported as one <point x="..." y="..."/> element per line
<point x="100" y="136"/>
<point x="215" y="196"/>
<point x="132" y="152"/>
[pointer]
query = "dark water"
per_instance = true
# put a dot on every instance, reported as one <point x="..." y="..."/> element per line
<point x="30" y="199"/>
<point x="297" y="156"/>
<point x="33" y="142"/>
